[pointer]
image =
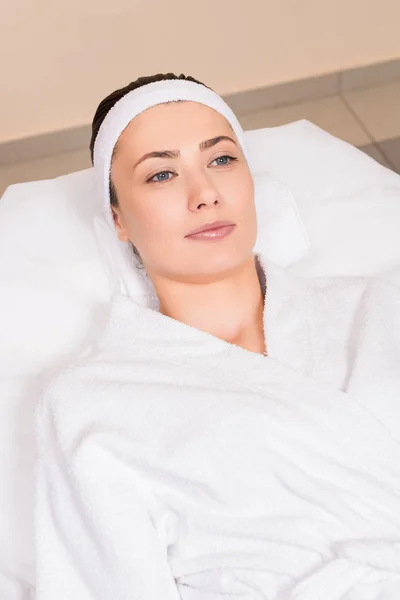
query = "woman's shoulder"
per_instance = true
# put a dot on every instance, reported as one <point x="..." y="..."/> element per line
<point x="87" y="363"/>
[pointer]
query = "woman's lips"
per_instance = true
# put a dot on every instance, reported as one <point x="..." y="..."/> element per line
<point x="212" y="231"/>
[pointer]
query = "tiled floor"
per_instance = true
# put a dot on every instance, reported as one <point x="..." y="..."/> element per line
<point x="368" y="119"/>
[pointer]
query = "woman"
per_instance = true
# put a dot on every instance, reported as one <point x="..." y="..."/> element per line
<point x="240" y="438"/>
<point x="161" y="201"/>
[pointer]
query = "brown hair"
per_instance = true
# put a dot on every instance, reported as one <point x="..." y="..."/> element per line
<point x="108" y="102"/>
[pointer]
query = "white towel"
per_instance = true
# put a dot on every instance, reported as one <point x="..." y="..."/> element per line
<point x="175" y="465"/>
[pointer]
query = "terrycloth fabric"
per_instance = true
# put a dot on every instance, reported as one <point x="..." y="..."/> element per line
<point x="175" y="465"/>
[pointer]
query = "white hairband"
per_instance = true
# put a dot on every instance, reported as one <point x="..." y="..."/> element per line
<point x="139" y="100"/>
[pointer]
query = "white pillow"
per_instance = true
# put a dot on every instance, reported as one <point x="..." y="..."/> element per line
<point x="53" y="287"/>
<point x="349" y="203"/>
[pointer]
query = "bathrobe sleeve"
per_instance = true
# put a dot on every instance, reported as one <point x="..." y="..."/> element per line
<point x="95" y="537"/>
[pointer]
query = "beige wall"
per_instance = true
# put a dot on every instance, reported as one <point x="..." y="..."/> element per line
<point x="60" y="57"/>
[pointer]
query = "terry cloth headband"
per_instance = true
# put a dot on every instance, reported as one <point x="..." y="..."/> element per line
<point x="139" y="100"/>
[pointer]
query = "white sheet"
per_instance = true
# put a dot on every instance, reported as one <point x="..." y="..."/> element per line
<point x="174" y="465"/>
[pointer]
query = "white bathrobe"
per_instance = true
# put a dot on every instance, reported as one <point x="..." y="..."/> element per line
<point x="175" y="465"/>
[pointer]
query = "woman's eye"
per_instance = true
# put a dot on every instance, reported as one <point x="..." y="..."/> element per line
<point x="224" y="160"/>
<point x="161" y="176"/>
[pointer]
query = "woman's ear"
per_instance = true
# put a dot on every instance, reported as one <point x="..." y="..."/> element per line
<point x="119" y="225"/>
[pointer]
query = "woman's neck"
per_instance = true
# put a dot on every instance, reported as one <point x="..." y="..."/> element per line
<point x="231" y="308"/>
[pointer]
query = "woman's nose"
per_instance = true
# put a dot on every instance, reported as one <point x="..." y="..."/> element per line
<point x="202" y="193"/>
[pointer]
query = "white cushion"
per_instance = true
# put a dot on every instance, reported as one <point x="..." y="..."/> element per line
<point x="54" y="289"/>
<point x="349" y="203"/>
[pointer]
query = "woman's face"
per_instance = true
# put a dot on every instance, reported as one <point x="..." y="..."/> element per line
<point x="179" y="167"/>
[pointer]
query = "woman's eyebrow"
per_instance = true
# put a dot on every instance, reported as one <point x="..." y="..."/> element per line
<point x="158" y="154"/>
<point x="213" y="141"/>
<point x="175" y="153"/>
